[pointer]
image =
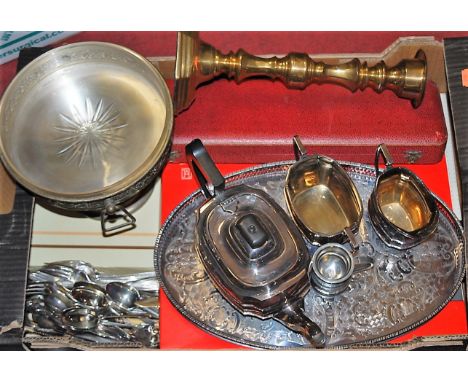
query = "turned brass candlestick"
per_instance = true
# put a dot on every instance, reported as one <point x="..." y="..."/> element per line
<point x="198" y="62"/>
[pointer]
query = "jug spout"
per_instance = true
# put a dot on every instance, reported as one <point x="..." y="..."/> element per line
<point x="293" y="317"/>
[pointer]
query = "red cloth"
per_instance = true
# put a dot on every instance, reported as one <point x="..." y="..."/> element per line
<point x="254" y="123"/>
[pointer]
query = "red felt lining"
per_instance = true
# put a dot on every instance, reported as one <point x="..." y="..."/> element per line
<point x="254" y="122"/>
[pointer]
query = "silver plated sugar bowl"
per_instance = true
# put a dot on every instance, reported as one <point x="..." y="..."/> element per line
<point x="402" y="209"/>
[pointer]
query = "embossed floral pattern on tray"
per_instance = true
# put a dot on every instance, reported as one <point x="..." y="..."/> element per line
<point x="401" y="291"/>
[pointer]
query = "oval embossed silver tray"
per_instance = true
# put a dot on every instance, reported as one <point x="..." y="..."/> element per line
<point x="403" y="290"/>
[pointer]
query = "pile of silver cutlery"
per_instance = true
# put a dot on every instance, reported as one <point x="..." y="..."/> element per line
<point x="74" y="298"/>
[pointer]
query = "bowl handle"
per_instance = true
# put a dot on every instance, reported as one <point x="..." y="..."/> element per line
<point x="366" y="262"/>
<point x="112" y="211"/>
<point x="204" y="168"/>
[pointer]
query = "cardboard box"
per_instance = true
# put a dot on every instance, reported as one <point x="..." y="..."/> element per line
<point x="197" y="120"/>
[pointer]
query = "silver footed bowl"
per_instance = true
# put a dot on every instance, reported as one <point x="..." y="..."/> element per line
<point x="85" y="122"/>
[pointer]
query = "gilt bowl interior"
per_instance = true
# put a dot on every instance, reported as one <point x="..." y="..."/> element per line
<point x="403" y="203"/>
<point x="322" y="196"/>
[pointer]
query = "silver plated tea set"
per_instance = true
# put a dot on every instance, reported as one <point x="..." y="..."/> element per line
<point x="221" y="256"/>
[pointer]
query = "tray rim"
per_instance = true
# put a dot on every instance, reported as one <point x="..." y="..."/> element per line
<point x="255" y="345"/>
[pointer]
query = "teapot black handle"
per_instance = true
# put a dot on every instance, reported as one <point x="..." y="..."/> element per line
<point x="204" y="168"/>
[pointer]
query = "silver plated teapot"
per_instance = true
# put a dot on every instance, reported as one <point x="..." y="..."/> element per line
<point x="251" y="249"/>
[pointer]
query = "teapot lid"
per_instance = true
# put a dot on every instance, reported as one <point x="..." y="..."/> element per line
<point x="251" y="250"/>
<point x="250" y="247"/>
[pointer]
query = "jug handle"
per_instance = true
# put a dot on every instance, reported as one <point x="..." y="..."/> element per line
<point x="352" y="239"/>
<point x="383" y="150"/>
<point x="366" y="263"/>
<point x="293" y="317"/>
<point x="204" y="168"/>
<point x="299" y="149"/>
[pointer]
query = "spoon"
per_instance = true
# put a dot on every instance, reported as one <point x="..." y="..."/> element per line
<point x="86" y="319"/>
<point x="121" y="295"/>
<point x="149" y="305"/>
<point x="128" y="278"/>
<point x="104" y="334"/>
<point x="34" y="302"/>
<point x="68" y="274"/>
<point x="46" y="321"/>
<point x="130" y="321"/>
<point x="112" y="332"/>
<point x="92" y="337"/>
<point x="147" y="335"/>
<point x="79" y="319"/>
<point x="57" y="298"/>
<point x="80" y="265"/>
<point x="90" y="295"/>
<point x="124" y="298"/>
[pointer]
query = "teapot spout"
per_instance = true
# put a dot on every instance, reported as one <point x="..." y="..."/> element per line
<point x="293" y="317"/>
